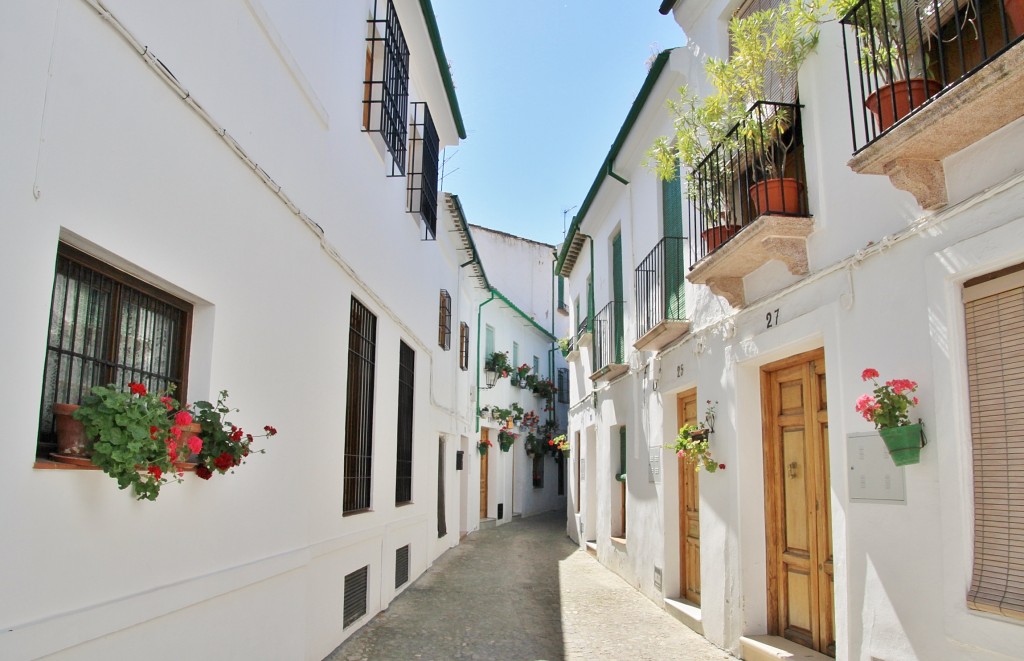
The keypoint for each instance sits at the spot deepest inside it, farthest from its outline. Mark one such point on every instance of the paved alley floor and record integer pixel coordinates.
(522, 592)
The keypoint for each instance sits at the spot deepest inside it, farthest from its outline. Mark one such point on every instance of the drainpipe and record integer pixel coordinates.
(590, 299)
(479, 316)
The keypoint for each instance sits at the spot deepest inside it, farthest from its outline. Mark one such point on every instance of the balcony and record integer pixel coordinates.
(748, 202)
(609, 345)
(660, 302)
(584, 336)
(927, 79)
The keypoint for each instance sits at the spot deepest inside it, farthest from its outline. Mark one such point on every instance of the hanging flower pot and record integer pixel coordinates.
(904, 443)
(71, 438)
(905, 94)
(777, 196)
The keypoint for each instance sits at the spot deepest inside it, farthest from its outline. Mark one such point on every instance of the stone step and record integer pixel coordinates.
(686, 612)
(773, 648)
(488, 523)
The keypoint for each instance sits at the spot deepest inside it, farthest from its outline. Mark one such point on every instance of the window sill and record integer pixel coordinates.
(619, 541)
(50, 464)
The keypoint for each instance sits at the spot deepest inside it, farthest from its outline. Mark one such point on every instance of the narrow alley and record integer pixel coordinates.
(523, 591)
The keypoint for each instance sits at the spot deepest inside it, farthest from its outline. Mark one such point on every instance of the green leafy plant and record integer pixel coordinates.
(137, 436)
(224, 444)
(498, 362)
(545, 388)
(506, 438)
(483, 444)
(883, 39)
(559, 444)
(565, 345)
(693, 444)
(517, 413)
(889, 404)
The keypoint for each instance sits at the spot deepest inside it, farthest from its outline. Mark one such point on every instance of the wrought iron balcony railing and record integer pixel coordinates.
(609, 346)
(901, 53)
(660, 281)
(757, 169)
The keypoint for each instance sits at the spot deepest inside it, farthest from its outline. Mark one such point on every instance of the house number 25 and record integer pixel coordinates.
(679, 371)
(772, 318)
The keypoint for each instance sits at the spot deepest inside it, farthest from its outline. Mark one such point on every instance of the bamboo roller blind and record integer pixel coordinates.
(995, 361)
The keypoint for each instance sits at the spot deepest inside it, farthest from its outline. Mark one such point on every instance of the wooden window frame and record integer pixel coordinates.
(106, 356)
(463, 346)
(444, 320)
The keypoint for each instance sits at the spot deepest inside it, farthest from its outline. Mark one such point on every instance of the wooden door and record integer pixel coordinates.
(484, 435)
(689, 505)
(797, 502)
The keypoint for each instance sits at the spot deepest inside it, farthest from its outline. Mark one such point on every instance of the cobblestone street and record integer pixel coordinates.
(522, 592)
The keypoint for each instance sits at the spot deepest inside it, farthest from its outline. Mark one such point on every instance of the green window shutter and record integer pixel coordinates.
(515, 354)
(618, 293)
(561, 293)
(672, 206)
(621, 475)
(488, 342)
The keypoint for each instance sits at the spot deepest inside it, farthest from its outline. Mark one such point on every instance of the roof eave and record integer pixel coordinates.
(442, 65)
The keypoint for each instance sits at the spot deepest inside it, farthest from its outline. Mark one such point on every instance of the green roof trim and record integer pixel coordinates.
(442, 65)
(606, 169)
(506, 301)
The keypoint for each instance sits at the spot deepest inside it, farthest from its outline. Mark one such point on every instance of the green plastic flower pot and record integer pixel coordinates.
(904, 443)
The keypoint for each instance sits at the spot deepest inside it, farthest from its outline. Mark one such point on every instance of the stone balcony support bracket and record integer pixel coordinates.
(782, 238)
(911, 153)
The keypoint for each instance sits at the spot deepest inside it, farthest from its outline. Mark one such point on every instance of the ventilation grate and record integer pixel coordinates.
(401, 566)
(355, 595)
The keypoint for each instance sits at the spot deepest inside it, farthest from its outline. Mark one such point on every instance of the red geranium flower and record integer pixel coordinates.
(224, 461)
(204, 472)
(869, 373)
(155, 471)
(270, 430)
(137, 389)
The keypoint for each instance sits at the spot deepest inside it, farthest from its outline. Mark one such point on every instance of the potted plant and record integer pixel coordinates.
(532, 445)
(483, 444)
(503, 416)
(225, 445)
(520, 374)
(505, 439)
(498, 362)
(565, 346)
(884, 57)
(518, 413)
(887, 406)
(137, 436)
(545, 389)
(694, 445)
(559, 445)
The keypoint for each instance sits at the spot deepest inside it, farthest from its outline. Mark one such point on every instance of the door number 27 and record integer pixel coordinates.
(772, 318)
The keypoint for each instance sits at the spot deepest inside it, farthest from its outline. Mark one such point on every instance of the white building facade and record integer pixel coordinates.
(246, 180)
(808, 538)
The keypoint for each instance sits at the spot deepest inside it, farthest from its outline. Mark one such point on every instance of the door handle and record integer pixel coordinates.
(792, 469)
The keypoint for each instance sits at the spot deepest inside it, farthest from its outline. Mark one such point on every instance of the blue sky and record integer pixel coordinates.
(544, 85)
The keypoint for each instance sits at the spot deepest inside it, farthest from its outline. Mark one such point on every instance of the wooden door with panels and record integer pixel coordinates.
(484, 436)
(689, 506)
(798, 522)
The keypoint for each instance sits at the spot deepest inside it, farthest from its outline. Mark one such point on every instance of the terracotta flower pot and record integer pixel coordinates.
(880, 102)
(777, 196)
(716, 236)
(71, 440)
(1015, 16)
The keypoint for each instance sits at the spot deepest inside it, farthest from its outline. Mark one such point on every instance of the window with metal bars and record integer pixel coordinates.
(442, 522)
(401, 566)
(463, 346)
(444, 321)
(355, 596)
(108, 327)
(994, 322)
(563, 385)
(424, 148)
(538, 471)
(406, 378)
(362, 348)
(386, 84)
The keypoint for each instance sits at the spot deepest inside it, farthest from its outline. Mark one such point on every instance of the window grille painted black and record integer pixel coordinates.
(660, 285)
(563, 385)
(108, 327)
(424, 149)
(442, 522)
(444, 321)
(401, 566)
(900, 54)
(362, 352)
(538, 470)
(756, 170)
(463, 346)
(386, 87)
(406, 378)
(355, 596)
(605, 346)
(560, 465)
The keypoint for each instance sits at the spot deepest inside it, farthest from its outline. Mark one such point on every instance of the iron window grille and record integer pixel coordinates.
(563, 385)
(401, 566)
(660, 285)
(406, 379)
(424, 148)
(386, 84)
(734, 184)
(463, 346)
(444, 321)
(107, 327)
(355, 596)
(538, 471)
(362, 343)
(902, 53)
